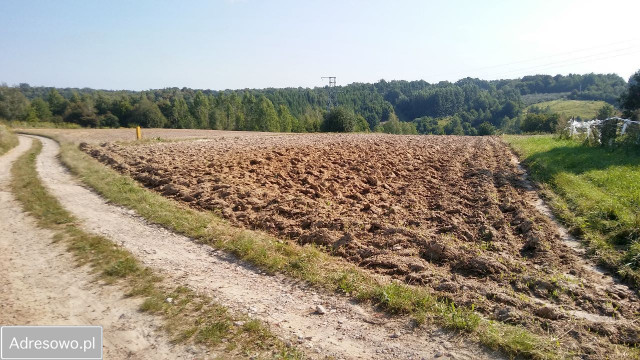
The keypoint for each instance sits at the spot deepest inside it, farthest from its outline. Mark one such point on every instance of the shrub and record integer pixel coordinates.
(110, 120)
(486, 129)
(340, 119)
(546, 123)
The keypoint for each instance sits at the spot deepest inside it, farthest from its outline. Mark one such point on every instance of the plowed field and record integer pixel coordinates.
(450, 213)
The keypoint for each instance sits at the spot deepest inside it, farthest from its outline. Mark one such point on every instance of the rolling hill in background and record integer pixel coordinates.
(584, 109)
(467, 107)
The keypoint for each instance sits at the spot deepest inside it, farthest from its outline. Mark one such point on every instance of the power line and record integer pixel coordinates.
(559, 54)
(632, 41)
(602, 58)
(572, 61)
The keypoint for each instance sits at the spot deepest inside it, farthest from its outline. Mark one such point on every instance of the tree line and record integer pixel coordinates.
(466, 107)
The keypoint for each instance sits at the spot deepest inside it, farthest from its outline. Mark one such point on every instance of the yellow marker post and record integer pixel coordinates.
(138, 133)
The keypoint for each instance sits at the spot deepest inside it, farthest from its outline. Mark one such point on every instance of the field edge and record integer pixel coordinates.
(594, 242)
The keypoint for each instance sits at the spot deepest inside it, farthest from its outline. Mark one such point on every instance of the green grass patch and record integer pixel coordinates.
(306, 263)
(7, 139)
(595, 192)
(586, 109)
(188, 317)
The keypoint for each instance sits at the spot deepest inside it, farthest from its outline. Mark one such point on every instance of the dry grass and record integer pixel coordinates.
(7, 139)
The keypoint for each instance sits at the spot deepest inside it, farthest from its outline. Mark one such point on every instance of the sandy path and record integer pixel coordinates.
(347, 330)
(41, 286)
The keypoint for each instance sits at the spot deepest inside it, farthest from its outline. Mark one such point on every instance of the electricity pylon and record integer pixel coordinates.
(332, 99)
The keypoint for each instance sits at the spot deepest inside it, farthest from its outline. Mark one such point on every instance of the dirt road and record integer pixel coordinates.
(345, 331)
(41, 286)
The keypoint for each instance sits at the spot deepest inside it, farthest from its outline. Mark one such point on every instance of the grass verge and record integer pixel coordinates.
(595, 192)
(7, 139)
(189, 317)
(307, 263)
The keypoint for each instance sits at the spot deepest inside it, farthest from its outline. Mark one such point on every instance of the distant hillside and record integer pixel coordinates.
(584, 109)
(471, 106)
(531, 99)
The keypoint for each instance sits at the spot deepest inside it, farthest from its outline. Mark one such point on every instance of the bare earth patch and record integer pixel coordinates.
(453, 214)
(345, 331)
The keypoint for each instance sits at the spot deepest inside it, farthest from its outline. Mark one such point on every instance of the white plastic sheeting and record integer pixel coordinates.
(580, 127)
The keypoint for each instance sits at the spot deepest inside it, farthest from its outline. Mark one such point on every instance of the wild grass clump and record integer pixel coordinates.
(8, 139)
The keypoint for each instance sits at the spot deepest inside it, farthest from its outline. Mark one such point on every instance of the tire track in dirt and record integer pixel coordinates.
(345, 331)
(41, 286)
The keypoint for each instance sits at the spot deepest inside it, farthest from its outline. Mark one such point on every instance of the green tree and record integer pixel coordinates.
(13, 104)
(361, 124)
(181, 117)
(109, 120)
(32, 115)
(395, 126)
(286, 119)
(227, 118)
(486, 129)
(311, 120)
(41, 108)
(147, 114)
(249, 119)
(75, 97)
(510, 109)
(540, 123)
(240, 121)
(263, 116)
(201, 109)
(57, 103)
(102, 103)
(454, 127)
(82, 113)
(428, 125)
(122, 108)
(340, 119)
(216, 118)
(630, 99)
(165, 106)
(605, 112)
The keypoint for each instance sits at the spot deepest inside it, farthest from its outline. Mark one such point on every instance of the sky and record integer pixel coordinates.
(237, 44)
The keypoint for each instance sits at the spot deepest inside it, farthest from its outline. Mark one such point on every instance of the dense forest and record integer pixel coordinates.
(468, 106)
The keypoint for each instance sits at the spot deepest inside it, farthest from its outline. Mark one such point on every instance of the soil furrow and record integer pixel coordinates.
(345, 331)
(453, 214)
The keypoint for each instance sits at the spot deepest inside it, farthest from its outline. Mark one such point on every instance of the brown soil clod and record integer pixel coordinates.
(451, 213)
